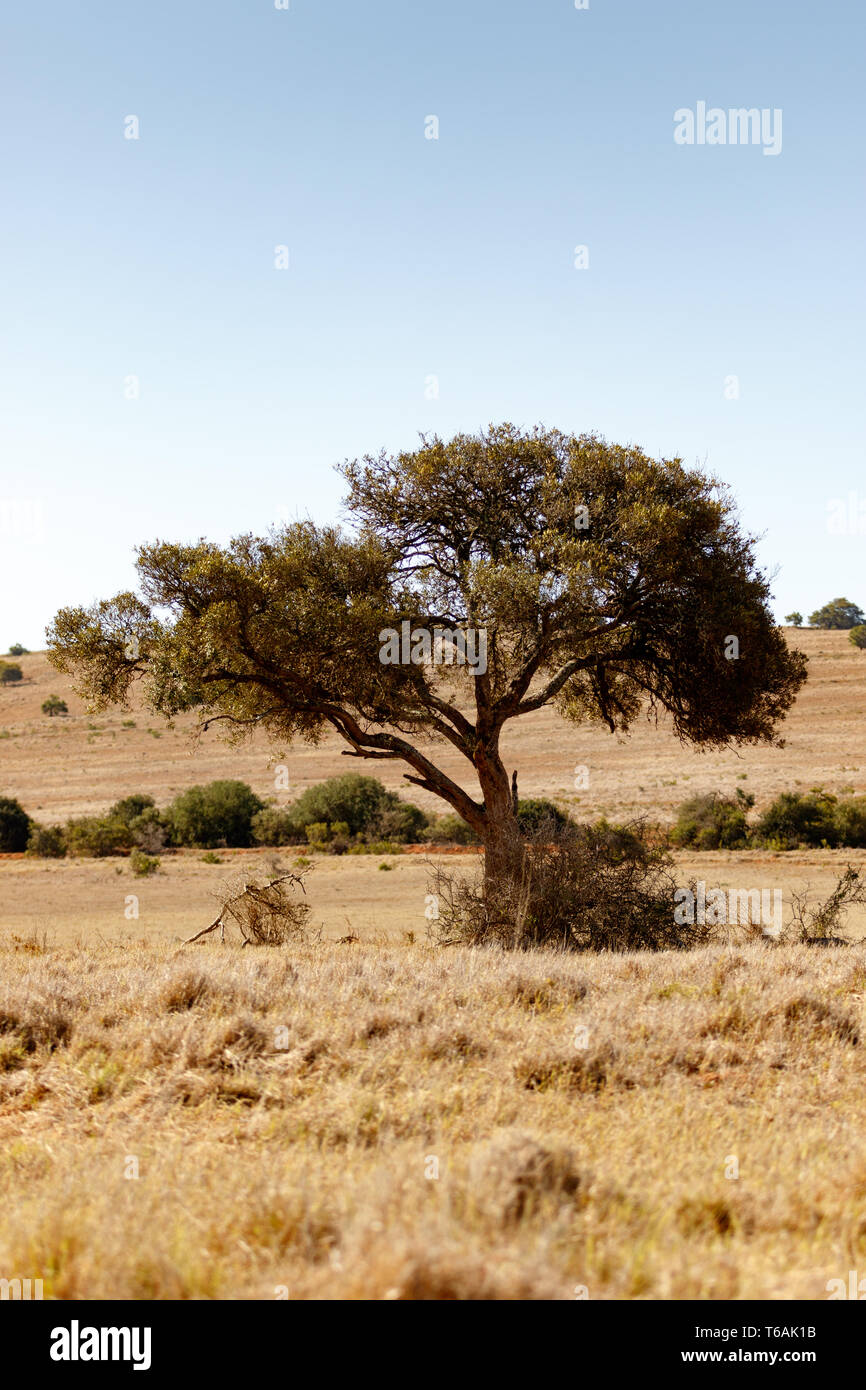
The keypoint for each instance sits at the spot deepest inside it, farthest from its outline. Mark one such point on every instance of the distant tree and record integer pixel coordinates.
(219, 813)
(14, 826)
(839, 613)
(17, 650)
(603, 581)
(795, 619)
(9, 673)
(54, 706)
(857, 635)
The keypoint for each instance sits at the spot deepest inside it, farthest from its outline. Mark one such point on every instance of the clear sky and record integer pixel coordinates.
(413, 258)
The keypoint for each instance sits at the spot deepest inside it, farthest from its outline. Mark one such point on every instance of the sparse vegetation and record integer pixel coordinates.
(54, 706)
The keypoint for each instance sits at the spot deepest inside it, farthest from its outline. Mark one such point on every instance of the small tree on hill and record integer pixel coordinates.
(795, 619)
(17, 650)
(857, 636)
(10, 674)
(839, 613)
(602, 581)
(54, 706)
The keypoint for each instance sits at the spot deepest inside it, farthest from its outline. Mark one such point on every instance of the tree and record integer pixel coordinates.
(54, 706)
(17, 650)
(857, 636)
(219, 813)
(14, 826)
(487, 577)
(9, 673)
(795, 619)
(839, 613)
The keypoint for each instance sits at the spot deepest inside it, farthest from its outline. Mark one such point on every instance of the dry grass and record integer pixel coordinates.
(286, 1109)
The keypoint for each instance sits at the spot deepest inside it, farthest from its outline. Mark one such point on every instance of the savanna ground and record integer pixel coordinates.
(286, 1110)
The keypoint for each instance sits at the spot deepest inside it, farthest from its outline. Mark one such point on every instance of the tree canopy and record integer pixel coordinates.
(605, 582)
(838, 613)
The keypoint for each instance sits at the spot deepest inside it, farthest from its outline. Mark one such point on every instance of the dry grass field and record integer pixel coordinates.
(381, 1119)
(390, 1122)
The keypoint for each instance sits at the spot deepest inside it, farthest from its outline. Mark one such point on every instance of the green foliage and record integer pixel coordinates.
(10, 674)
(17, 650)
(130, 807)
(451, 830)
(54, 706)
(796, 819)
(795, 619)
(538, 812)
(14, 826)
(141, 864)
(357, 800)
(857, 636)
(220, 813)
(46, 841)
(713, 821)
(275, 827)
(850, 819)
(400, 821)
(96, 837)
(317, 832)
(839, 613)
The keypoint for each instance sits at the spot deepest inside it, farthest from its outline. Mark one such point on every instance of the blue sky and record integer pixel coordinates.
(412, 258)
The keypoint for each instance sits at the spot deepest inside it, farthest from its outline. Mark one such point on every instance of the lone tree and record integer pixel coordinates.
(54, 706)
(838, 613)
(795, 619)
(857, 636)
(592, 577)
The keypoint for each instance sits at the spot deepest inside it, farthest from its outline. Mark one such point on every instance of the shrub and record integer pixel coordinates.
(17, 650)
(220, 813)
(713, 821)
(857, 636)
(538, 812)
(850, 819)
(839, 613)
(54, 706)
(95, 837)
(142, 864)
(401, 821)
(317, 833)
(797, 819)
(357, 800)
(572, 891)
(46, 841)
(150, 831)
(451, 829)
(14, 826)
(9, 673)
(129, 807)
(275, 827)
